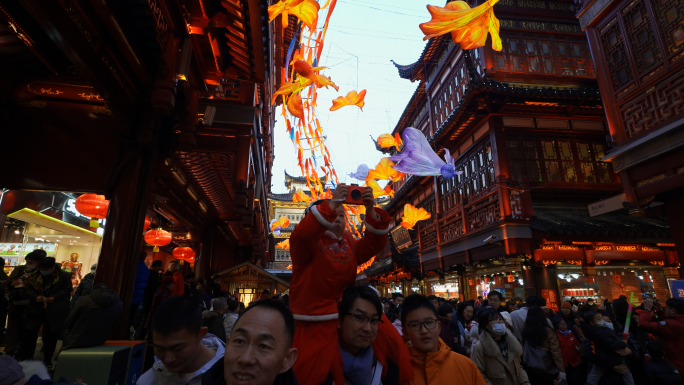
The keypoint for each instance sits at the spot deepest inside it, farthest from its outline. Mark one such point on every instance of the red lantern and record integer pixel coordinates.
(471, 282)
(590, 280)
(93, 206)
(617, 278)
(183, 253)
(478, 281)
(497, 280)
(511, 278)
(147, 224)
(157, 237)
(486, 281)
(191, 259)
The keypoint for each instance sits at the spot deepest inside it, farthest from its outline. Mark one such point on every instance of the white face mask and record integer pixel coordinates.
(601, 324)
(609, 325)
(499, 329)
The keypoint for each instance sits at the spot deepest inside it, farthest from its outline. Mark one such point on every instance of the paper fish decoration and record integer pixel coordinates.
(307, 71)
(468, 27)
(281, 222)
(352, 99)
(418, 158)
(361, 172)
(364, 266)
(389, 141)
(385, 170)
(284, 244)
(305, 10)
(300, 196)
(377, 191)
(412, 215)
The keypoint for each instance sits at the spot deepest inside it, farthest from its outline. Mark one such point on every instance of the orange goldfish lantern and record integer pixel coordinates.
(387, 141)
(305, 10)
(289, 267)
(284, 244)
(385, 171)
(412, 215)
(352, 99)
(364, 266)
(468, 27)
(295, 106)
(377, 191)
(300, 196)
(281, 222)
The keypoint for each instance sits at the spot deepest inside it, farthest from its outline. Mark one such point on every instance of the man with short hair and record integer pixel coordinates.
(18, 299)
(260, 350)
(48, 289)
(213, 319)
(363, 362)
(397, 298)
(433, 301)
(183, 352)
(433, 361)
(178, 283)
(669, 331)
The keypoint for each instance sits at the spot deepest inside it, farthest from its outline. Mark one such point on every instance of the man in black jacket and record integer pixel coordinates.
(91, 320)
(213, 319)
(48, 289)
(18, 299)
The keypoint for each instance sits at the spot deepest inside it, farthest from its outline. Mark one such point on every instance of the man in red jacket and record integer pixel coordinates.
(178, 283)
(669, 330)
(324, 261)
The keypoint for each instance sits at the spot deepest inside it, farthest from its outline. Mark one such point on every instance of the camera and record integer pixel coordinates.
(354, 195)
(490, 239)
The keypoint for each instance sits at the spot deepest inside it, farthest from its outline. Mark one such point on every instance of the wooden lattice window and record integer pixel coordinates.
(642, 41)
(670, 20)
(477, 177)
(557, 159)
(615, 54)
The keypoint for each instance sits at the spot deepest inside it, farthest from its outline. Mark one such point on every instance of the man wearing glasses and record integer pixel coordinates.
(360, 316)
(433, 361)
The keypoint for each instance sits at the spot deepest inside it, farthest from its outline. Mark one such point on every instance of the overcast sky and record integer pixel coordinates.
(361, 40)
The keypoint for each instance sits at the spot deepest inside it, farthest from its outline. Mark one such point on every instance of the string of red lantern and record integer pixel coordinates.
(93, 206)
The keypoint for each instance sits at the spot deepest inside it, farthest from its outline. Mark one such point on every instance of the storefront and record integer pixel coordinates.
(496, 275)
(60, 234)
(248, 281)
(608, 271)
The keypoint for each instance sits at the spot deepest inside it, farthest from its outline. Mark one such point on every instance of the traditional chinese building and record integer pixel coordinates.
(162, 107)
(527, 129)
(638, 48)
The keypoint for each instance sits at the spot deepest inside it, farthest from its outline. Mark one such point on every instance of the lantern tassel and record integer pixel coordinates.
(94, 224)
(155, 249)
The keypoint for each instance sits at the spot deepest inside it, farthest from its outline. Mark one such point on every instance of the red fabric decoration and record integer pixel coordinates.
(590, 280)
(647, 278)
(147, 224)
(157, 237)
(617, 278)
(93, 206)
(511, 278)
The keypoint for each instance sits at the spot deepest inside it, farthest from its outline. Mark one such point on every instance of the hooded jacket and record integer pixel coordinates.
(670, 333)
(604, 343)
(496, 371)
(92, 318)
(443, 367)
(159, 375)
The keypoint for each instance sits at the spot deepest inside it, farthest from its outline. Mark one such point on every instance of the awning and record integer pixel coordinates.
(58, 227)
(564, 220)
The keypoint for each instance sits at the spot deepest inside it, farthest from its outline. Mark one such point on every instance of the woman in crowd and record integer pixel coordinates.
(460, 324)
(445, 313)
(542, 355)
(499, 353)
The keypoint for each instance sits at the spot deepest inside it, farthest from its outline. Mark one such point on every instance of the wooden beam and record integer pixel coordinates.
(255, 29)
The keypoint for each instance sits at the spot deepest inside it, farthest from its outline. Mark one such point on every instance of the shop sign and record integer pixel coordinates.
(607, 205)
(401, 237)
(676, 288)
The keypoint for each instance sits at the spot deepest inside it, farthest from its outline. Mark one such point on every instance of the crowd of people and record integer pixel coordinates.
(332, 331)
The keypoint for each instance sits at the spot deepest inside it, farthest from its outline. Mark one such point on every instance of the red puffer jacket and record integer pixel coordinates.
(569, 344)
(670, 333)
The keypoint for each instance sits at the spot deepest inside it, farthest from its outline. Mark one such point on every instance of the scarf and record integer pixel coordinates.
(503, 347)
(565, 333)
(359, 369)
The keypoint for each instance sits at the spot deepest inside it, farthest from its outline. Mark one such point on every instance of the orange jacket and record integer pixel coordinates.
(178, 283)
(444, 367)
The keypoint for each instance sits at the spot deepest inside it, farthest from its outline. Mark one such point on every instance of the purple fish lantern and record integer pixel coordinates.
(361, 172)
(418, 158)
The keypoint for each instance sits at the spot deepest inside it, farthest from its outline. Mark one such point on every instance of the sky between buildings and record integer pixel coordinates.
(362, 38)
